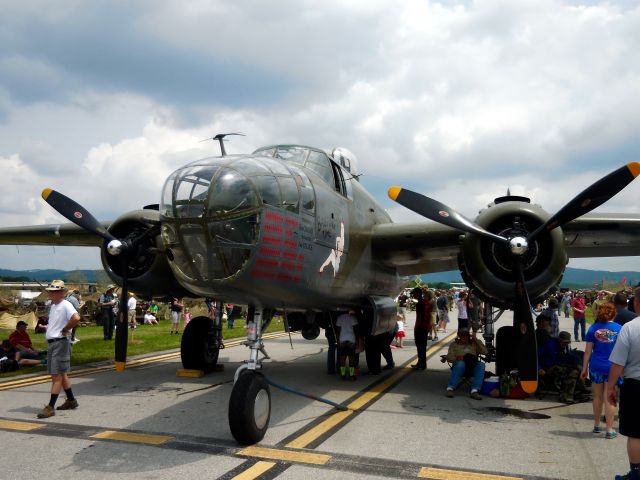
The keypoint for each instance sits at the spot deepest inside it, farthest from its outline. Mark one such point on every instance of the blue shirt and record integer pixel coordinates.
(603, 336)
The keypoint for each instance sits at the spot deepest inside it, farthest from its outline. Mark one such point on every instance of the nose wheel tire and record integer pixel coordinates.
(199, 348)
(250, 408)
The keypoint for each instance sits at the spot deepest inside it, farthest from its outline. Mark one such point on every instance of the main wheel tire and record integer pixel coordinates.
(250, 408)
(197, 348)
(310, 332)
(505, 350)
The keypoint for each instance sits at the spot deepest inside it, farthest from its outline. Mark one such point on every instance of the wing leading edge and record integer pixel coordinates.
(66, 234)
(428, 247)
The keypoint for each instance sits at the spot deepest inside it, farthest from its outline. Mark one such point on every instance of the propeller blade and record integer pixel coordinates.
(525, 335)
(75, 213)
(439, 212)
(122, 321)
(591, 198)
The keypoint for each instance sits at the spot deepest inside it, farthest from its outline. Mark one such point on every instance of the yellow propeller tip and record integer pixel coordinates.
(46, 192)
(529, 386)
(634, 168)
(394, 192)
(120, 366)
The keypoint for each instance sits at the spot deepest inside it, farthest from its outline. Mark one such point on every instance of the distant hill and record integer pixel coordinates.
(51, 274)
(573, 277)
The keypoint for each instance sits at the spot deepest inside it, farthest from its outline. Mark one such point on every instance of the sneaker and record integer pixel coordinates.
(475, 396)
(388, 366)
(435, 338)
(449, 393)
(611, 434)
(418, 367)
(596, 430)
(566, 400)
(74, 341)
(69, 404)
(47, 411)
(628, 476)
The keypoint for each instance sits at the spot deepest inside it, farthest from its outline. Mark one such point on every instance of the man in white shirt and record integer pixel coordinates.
(131, 309)
(625, 361)
(347, 326)
(62, 318)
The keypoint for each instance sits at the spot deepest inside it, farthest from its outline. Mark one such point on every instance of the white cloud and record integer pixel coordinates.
(540, 96)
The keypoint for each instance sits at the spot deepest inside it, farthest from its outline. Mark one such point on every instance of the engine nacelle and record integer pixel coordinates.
(488, 265)
(149, 274)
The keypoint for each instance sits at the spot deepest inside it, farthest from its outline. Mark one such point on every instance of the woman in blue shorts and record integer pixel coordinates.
(601, 338)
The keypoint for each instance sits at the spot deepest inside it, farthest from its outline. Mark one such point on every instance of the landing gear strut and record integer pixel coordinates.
(250, 402)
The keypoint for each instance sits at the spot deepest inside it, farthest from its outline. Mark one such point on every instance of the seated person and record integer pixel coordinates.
(11, 353)
(556, 360)
(21, 341)
(463, 356)
(149, 319)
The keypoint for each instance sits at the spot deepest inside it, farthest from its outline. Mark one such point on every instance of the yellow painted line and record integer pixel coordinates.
(255, 471)
(28, 382)
(22, 426)
(442, 474)
(132, 437)
(285, 455)
(335, 419)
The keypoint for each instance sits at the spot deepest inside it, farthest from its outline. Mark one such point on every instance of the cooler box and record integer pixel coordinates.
(490, 384)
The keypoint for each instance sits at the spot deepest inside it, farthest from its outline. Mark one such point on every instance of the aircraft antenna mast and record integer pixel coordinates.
(220, 138)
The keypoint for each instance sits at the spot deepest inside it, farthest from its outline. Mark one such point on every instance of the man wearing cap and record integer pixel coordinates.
(107, 301)
(21, 341)
(625, 361)
(463, 355)
(62, 318)
(555, 361)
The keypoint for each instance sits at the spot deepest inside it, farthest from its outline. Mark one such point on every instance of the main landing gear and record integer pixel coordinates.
(202, 341)
(250, 402)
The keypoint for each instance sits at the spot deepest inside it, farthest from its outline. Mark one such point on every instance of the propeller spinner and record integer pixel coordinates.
(590, 198)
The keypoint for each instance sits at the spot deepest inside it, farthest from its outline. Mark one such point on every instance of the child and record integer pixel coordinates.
(186, 316)
(399, 331)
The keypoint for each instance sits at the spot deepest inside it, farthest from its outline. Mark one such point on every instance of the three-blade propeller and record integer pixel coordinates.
(77, 214)
(587, 200)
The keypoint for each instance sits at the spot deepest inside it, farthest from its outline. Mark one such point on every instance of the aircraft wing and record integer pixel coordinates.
(415, 248)
(426, 247)
(66, 234)
(603, 235)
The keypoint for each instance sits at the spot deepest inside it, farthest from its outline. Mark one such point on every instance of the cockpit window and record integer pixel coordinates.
(275, 166)
(319, 163)
(268, 188)
(306, 190)
(292, 154)
(289, 191)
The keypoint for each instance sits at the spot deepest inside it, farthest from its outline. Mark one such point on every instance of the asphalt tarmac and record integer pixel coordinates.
(148, 423)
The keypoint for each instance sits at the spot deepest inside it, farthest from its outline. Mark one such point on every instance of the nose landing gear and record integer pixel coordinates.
(250, 402)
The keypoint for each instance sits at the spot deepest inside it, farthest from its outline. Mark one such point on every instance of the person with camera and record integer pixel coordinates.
(463, 356)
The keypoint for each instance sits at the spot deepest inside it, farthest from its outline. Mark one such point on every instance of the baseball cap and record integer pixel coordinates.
(55, 285)
(564, 336)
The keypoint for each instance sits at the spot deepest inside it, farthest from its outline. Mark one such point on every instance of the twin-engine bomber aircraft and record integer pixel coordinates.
(289, 228)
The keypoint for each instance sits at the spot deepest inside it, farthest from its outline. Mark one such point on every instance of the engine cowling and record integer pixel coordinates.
(148, 274)
(487, 265)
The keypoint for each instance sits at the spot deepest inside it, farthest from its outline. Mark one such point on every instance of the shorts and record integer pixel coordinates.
(347, 348)
(598, 377)
(443, 315)
(629, 414)
(59, 357)
(400, 334)
(175, 318)
(402, 310)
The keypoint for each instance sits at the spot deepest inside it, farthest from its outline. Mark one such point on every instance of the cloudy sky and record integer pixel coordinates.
(101, 100)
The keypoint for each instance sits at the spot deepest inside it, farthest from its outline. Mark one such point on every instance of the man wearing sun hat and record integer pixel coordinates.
(62, 318)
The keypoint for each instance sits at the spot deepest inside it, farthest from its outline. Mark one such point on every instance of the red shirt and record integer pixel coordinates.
(578, 303)
(423, 314)
(18, 338)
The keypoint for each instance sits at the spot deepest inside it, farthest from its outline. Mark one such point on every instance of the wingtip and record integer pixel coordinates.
(46, 192)
(634, 168)
(394, 192)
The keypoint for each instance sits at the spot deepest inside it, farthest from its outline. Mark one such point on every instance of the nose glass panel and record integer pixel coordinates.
(210, 225)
